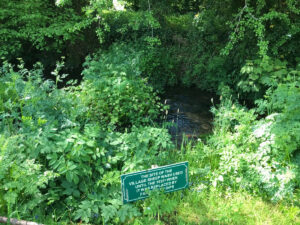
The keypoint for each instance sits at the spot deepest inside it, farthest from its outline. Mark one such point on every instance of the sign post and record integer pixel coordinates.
(170, 178)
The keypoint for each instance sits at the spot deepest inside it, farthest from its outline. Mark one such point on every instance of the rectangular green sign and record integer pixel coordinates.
(170, 178)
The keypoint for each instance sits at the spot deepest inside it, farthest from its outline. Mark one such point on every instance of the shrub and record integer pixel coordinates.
(58, 156)
(114, 91)
(251, 153)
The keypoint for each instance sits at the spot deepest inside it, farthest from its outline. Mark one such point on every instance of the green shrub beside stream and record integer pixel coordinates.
(63, 150)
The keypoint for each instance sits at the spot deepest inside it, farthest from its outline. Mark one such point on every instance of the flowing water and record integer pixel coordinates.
(189, 112)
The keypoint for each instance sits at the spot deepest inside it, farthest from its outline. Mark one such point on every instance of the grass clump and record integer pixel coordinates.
(233, 208)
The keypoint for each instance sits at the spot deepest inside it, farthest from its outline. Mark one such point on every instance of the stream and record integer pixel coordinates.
(189, 112)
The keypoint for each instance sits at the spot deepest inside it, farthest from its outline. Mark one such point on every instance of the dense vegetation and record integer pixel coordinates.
(80, 87)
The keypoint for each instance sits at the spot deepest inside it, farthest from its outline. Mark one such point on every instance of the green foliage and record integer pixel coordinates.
(272, 25)
(284, 107)
(204, 67)
(212, 46)
(57, 157)
(22, 179)
(128, 25)
(250, 154)
(38, 24)
(261, 76)
(62, 150)
(158, 65)
(114, 93)
(159, 204)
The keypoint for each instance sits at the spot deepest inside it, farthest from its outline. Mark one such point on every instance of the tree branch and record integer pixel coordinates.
(17, 222)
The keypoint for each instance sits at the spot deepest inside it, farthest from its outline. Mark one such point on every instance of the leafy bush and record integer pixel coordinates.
(128, 26)
(39, 25)
(23, 180)
(114, 92)
(251, 154)
(159, 66)
(57, 156)
(264, 75)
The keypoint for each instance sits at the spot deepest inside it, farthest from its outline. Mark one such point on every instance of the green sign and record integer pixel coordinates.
(170, 178)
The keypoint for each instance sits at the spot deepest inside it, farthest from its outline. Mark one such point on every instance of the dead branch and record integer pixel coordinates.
(17, 222)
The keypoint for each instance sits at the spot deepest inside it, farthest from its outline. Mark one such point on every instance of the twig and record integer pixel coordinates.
(149, 8)
(240, 17)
